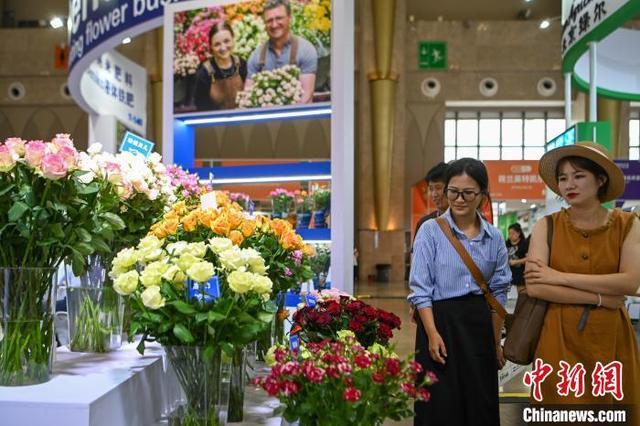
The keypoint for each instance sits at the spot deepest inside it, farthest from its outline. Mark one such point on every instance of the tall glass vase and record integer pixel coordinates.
(95, 311)
(205, 383)
(27, 298)
(238, 383)
(278, 337)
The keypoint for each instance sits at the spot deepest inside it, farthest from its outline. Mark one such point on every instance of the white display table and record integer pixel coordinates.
(121, 388)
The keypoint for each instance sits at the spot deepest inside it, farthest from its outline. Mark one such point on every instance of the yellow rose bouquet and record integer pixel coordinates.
(210, 293)
(198, 299)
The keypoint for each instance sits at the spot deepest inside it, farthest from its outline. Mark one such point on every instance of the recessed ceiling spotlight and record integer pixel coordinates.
(126, 40)
(524, 201)
(544, 24)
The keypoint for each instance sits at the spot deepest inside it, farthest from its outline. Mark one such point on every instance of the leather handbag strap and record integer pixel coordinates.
(473, 268)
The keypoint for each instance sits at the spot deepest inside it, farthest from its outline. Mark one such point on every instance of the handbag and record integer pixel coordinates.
(524, 331)
(472, 267)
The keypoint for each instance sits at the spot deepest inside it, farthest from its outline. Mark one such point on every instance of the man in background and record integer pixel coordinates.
(283, 48)
(435, 180)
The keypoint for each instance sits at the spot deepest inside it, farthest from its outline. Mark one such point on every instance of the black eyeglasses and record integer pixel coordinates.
(467, 195)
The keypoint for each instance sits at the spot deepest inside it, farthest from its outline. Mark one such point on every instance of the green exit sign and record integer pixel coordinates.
(432, 55)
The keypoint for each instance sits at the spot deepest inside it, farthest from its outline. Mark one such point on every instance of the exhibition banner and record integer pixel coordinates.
(93, 22)
(228, 55)
(515, 180)
(115, 85)
(631, 170)
(584, 16)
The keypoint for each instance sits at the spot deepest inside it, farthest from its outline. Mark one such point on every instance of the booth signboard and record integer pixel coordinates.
(585, 16)
(114, 85)
(136, 145)
(631, 170)
(515, 180)
(592, 131)
(223, 59)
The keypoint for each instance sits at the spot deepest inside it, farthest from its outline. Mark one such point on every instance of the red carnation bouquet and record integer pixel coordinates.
(342, 383)
(329, 316)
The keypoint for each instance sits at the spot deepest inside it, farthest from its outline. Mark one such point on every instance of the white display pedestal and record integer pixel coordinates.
(121, 388)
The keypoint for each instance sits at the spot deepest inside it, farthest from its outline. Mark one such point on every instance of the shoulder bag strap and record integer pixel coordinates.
(472, 267)
(549, 220)
(293, 54)
(263, 55)
(210, 71)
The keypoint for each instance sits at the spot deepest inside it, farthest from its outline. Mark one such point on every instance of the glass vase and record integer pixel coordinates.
(95, 312)
(205, 383)
(26, 334)
(278, 335)
(95, 319)
(237, 385)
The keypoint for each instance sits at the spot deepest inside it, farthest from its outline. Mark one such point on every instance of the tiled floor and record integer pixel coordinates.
(392, 297)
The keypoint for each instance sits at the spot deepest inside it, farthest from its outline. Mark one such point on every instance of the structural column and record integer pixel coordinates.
(383, 85)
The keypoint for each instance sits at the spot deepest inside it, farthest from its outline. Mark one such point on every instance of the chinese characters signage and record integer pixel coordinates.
(583, 17)
(114, 85)
(515, 180)
(136, 145)
(604, 379)
(631, 170)
(432, 55)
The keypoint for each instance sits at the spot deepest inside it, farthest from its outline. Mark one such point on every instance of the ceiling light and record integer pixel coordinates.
(524, 201)
(265, 179)
(533, 206)
(318, 113)
(56, 22)
(126, 40)
(544, 24)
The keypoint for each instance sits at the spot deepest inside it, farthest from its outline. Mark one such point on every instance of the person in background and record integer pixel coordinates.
(220, 78)
(517, 247)
(435, 181)
(356, 254)
(284, 48)
(593, 265)
(456, 336)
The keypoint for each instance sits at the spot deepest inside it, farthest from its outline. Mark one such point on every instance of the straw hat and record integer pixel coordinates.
(592, 151)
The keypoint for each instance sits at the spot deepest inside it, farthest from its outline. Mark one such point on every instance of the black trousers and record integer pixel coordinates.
(467, 390)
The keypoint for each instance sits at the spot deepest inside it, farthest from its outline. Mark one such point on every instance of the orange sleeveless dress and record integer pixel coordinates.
(608, 335)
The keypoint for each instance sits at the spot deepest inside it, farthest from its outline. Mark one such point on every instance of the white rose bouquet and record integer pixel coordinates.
(277, 87)
(249, 33)
(211, 294)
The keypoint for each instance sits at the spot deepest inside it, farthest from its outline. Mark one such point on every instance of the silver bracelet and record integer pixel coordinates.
(599, 300)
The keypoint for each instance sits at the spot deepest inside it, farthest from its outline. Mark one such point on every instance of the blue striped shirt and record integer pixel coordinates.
(438, 273)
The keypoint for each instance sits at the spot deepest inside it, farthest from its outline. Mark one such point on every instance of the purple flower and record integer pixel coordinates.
(287, 271)
(297, 257)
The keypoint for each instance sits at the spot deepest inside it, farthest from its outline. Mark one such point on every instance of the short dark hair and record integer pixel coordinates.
(516, 227)
(437, 173)
(272, 4)
(473, 168)
(590, 166)
(220, 26)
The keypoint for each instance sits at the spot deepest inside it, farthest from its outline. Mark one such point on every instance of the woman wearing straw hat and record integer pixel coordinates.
(595, 255)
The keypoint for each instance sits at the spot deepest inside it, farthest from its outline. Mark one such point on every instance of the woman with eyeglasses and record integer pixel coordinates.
(458, 335)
